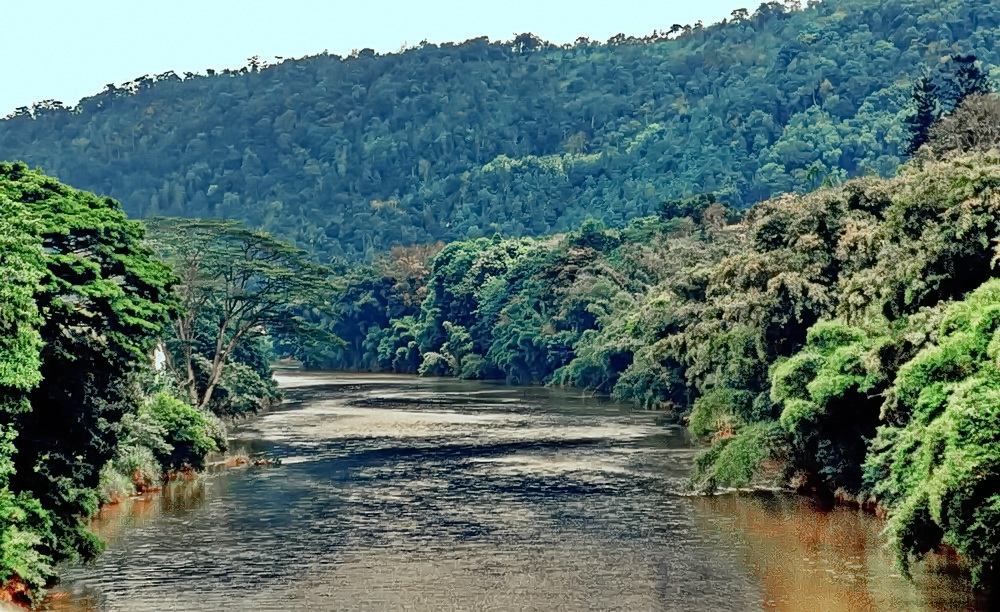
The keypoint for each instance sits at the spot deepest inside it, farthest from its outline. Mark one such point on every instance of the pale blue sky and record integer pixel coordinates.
(69, 49)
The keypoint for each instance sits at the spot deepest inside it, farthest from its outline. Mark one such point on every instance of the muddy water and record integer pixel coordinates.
(402, 494)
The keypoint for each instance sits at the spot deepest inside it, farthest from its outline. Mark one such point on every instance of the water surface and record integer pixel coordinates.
(396, 493)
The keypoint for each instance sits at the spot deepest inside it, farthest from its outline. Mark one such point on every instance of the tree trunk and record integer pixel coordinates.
(213, 382)
(219, 361)
(183, 329)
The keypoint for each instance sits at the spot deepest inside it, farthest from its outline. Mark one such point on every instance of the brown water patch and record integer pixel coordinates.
(808, 557)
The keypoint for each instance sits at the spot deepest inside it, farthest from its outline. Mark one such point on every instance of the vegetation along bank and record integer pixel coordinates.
(602, 215)
(84, 299)
(848, 336)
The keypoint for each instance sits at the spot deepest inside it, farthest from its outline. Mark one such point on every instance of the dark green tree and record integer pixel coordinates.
(967, 78)
(926, 110)
(98, 303)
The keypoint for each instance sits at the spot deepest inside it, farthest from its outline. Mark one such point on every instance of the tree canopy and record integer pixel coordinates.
(82, 303)
(845, 336)
(238, 285)
(713, 222)
(347, 157)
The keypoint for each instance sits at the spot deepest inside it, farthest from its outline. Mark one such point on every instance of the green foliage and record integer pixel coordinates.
(21, 269)
(718, 412)
(936, 98)
(435, 364)
(164, 434)
(240, 390)
(925, 112)
(811, 336)
(829, 399)
(350, 156)
(133, 469)
(880, 256)
(939, 469)
(456, 352)
(190, 434)
(789, 338)
(368, 308)
(81, 304)
(686, 207)
(25, 526)
(398, 349)
(967, 79)
(236, 286)
(737, 461)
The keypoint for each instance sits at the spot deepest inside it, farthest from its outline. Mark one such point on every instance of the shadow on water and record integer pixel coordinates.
(403, 493)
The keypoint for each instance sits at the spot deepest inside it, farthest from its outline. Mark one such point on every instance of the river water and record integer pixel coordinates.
(397, 493)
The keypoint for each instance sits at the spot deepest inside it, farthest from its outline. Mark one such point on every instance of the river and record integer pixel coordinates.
(397, 493)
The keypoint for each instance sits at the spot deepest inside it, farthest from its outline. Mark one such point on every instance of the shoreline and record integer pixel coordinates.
(14, 593)
(822, 503)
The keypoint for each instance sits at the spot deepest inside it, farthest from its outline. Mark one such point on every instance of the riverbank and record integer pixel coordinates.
(791, 331)
(15, 595)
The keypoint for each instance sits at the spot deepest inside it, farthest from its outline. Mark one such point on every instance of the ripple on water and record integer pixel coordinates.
(399, 493)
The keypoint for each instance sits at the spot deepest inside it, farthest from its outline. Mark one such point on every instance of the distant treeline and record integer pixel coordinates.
(348, 157)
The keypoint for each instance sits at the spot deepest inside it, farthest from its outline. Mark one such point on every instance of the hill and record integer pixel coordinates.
(351, 156)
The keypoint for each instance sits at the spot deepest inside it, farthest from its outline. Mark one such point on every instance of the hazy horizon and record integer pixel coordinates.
(86, 48)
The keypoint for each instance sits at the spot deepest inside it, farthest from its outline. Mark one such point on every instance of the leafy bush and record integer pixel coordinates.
(738, 460)
(241, 389)
(189, 433)
(939, 471)
(77, 319)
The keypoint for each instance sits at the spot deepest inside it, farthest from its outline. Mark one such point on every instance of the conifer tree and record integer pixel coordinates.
(925, 112)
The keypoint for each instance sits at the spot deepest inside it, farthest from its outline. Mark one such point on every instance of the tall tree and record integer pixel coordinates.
(973, 126)
(926, 110)
(253, 283)
(81, 304)
(21, 270)
(967, 79)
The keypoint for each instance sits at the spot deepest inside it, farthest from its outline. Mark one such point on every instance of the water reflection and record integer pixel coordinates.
(808, 557)
(397, 493)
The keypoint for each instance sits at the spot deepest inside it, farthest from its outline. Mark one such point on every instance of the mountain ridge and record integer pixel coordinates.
(351, 156)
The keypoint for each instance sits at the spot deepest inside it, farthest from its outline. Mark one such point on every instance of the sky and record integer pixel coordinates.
(70, 49)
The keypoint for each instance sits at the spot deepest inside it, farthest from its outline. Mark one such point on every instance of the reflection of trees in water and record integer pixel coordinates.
(810, 558)
(183, 497)
(178, 497)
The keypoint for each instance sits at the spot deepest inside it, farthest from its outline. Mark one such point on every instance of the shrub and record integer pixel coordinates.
(190, 433)
(939, 471)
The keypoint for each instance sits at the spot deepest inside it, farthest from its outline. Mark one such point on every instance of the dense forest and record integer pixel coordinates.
(848, 336)
(348, 157)
(86, 296)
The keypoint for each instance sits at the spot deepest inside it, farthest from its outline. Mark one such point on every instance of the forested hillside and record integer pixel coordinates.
(844, 341)
(350, 156)
(713, 222)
